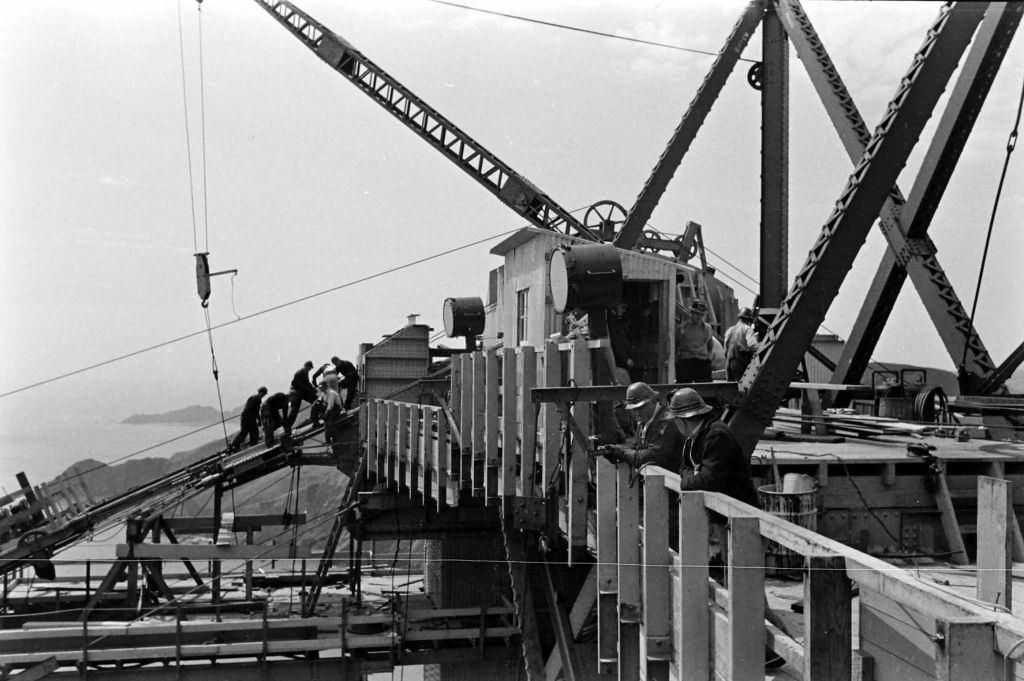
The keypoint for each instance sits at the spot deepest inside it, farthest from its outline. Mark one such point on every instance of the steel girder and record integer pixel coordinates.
(774, 274)
(846, 229)
(905, 223)
(511, 188)
(686, 131)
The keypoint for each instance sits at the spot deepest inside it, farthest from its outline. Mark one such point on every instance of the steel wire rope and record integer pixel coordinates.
(188, 140)
(1011, 144)
(588, 31)
(264, 311)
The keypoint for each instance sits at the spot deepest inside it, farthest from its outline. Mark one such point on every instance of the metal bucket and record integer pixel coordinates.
(799, 508)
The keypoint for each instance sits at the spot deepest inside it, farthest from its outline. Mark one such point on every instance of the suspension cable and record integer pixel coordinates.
(1011, 143)
(188, 139)
(202, 125)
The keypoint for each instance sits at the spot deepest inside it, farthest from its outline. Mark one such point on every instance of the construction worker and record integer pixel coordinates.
(250, 421)
(695, 343)
(740, 345)
(348, 374)
(274, 413)
(621, 340)
(657, 439)
(332, 405)
(301, 389)
(711, 457)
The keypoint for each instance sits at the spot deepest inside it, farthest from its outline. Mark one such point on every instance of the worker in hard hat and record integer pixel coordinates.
(301, 390)
(250, 421)
(740, 345)
(712, 459)
(657, 439)
(274, 414)
(695, 343)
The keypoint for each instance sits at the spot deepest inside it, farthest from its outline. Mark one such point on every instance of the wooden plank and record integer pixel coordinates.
(527, 374)
(441, 450)
(629, 573)
(380, 452)
(371, 434)
(691, 621)
(428, 457)
(509, 423)
(241, 523)
(607, 569)
(828, 620)
(578, 461)
(402, 458)
(492, 461)
(745, 577)
(461, 469)
(412, 480)
(656, 580)
(394, 424)
(995, 583)
(551, 439)
(478, 444)
(950, 527)
(897, 636)
(965, 651)
(998, 470)
(213, 551)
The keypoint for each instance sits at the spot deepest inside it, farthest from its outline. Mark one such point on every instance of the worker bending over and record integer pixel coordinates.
(301, 390)
(657, 439)
(348, 375)
(274, 412)
(250, 421)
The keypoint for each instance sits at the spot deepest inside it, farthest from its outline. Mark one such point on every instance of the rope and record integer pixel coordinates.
(1011, 143)
(216, 376)
(202, 125)
(188, 139)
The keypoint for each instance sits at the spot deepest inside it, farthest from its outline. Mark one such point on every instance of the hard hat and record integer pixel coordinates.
(639, 394)
(262, 390)
(746, 313)
(687, 403)
(698, 307)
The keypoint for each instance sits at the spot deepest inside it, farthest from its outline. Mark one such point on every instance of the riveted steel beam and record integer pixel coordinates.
(774, 272)
(843, 234)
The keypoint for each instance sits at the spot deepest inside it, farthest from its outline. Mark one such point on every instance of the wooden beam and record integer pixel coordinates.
(607, 569)
(428, 459)
(551, 442)
(372, 430)
(745, 579)
(721, 391)
(964, 650)
(241, 523)
(527, 422)
(692, 617)
(509, 422)
(996, 469)
(657, 580)
(412, 480)
(402, 450)
(442, 453)
(828, 651)
(492, 462)
(477, 473)
(210, 551)
(947, 514)
(576, 487)
(630, 602)
(995, 583)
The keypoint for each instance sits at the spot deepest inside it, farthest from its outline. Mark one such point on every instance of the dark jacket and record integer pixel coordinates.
(713, 461)
(657, 442)
(301, 385)
(278, 402)
(251, 410)
(619, 337)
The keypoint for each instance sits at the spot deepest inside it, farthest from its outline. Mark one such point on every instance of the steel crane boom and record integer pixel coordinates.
(514, 190)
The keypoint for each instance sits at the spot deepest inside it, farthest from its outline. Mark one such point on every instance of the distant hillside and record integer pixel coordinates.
(195, 415)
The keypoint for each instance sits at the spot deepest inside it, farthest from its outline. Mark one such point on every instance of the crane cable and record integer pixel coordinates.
(1011, 143)
(192, 193)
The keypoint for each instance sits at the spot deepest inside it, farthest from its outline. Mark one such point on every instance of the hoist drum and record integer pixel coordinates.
(463, 317)
(202, 276)
(585, 275)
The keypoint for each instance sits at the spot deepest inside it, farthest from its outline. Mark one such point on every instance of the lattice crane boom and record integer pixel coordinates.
(511, 188)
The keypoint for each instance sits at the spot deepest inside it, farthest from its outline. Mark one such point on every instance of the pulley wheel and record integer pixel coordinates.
(755, 76)
(604, 218)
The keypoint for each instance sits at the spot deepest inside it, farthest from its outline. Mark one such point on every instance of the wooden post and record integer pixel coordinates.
(578, 461)
(657, 581)
(444, 449)
(371, 435)
(691, 619)
(550, 424)
(478, 445)
(394, 425)
(415, 450)
(745, 575)
(248, 564)
(527, 373)
(828, 651)
(461, 465)
(995, 508)
(402, 472)
(997, 470)
(964, 650)
(607, 569)
(629, 573)
(380, 451)
(492, 463)
(948, 516)
(509, 425)
(428, 456)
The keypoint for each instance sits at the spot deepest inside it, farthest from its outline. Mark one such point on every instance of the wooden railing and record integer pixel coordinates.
(488, 439)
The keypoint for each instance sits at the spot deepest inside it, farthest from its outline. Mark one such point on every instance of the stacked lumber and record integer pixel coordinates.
(845, 422)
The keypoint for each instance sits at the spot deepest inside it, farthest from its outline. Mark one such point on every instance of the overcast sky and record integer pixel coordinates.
(311, 185)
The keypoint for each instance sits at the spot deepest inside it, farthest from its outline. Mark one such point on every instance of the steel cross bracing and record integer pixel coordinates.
(686, 131)
(904, 223)
(510, 187)
(831, 257)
